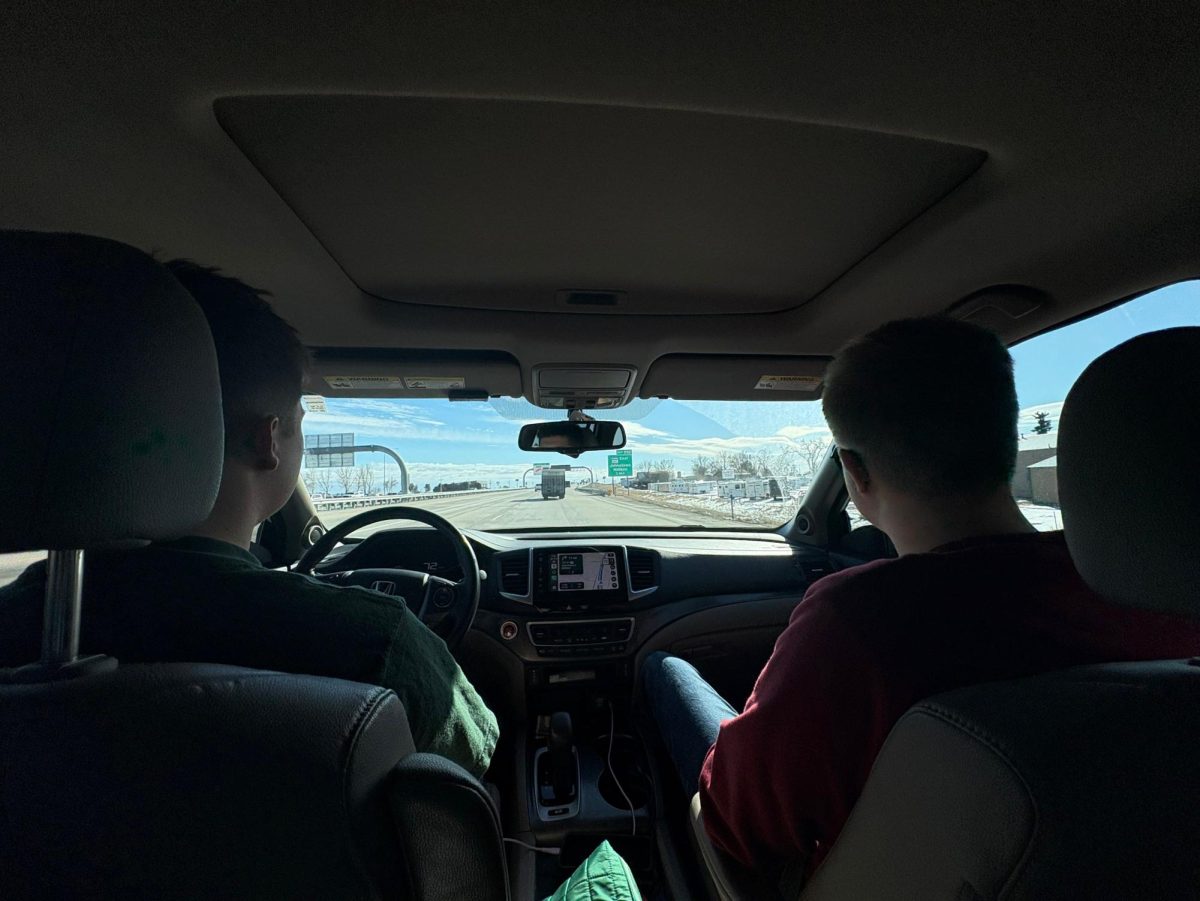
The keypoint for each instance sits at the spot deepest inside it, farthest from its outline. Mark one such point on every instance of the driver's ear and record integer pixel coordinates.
(858, 479)
(264, 443)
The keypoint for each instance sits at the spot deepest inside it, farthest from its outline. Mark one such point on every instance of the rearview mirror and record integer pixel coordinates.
(571, 438)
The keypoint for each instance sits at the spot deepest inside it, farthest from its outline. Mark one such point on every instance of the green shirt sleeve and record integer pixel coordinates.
(445, 713)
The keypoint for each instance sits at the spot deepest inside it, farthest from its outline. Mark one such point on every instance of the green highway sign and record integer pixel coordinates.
(620, 464)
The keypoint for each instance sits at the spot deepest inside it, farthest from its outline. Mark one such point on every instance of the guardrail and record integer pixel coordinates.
(386, 500)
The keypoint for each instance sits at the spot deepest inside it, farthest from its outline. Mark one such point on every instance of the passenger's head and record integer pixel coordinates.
(262, 366)
(927, 408)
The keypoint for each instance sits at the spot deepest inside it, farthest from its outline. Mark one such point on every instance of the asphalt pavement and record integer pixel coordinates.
(516, 509)
(525, 508)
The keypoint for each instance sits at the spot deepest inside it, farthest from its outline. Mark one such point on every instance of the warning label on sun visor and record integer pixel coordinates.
(435, 382)
(314, 403)
(364, 382)
(788, 383)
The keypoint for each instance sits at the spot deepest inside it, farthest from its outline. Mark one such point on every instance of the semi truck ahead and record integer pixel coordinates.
(554, 483)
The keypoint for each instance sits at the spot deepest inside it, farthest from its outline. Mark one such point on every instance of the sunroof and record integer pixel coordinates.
(518, 204)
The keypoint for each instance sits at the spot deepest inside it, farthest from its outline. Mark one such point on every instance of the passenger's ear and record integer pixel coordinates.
(265, 439)
(858, 479)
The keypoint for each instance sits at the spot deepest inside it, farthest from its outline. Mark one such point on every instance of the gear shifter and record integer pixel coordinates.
(561, 758)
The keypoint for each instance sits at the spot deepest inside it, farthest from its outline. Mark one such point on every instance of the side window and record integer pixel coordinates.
(1047, 366)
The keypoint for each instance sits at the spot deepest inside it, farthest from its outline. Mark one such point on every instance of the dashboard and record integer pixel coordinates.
(597, 595)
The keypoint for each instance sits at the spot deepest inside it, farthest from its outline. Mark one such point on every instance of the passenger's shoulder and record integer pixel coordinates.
(855, 580)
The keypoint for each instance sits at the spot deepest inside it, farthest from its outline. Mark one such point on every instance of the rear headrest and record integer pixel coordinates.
(1128, 448)
(112, 405)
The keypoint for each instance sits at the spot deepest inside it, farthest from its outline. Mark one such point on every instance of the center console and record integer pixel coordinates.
(582, 598)
(582, 578)
(573, 617)
(580, 637)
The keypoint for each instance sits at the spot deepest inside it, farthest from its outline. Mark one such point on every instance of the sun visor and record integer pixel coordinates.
(727, 377)
(342, 372)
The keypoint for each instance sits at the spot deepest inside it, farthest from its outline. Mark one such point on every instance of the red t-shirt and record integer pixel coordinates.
(867, 643)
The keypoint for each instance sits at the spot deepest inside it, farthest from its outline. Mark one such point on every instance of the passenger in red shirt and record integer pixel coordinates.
(923, 413)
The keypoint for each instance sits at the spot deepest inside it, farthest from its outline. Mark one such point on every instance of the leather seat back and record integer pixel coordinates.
(1075, 785)
(182, 780)
(1079, 784)
(199, 781)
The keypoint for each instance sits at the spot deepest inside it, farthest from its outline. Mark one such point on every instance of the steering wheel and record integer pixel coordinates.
(448, 608)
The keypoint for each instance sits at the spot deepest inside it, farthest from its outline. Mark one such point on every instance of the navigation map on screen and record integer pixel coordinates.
(590, 571)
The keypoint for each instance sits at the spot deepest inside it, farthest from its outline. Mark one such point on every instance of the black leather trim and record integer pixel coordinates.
(440, 810)
(196, 781)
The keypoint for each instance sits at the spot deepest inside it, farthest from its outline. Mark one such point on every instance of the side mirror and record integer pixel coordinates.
(571, 438)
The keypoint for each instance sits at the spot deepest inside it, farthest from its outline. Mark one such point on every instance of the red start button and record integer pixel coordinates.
(508, 630)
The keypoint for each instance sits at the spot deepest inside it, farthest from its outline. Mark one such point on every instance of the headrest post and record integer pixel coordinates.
(60, 622)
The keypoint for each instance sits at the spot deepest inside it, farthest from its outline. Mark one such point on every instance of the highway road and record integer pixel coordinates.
(515, 509)
(527, 509)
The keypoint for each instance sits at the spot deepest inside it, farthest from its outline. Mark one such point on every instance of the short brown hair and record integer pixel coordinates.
(262, 362)
(929, 404)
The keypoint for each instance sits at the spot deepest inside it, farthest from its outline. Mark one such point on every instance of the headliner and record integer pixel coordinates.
(944, 151)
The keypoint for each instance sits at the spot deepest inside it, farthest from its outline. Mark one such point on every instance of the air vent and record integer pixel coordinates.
(643, 569)
(514, 574)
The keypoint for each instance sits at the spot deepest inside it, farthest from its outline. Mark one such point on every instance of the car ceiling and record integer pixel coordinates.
(557, 183)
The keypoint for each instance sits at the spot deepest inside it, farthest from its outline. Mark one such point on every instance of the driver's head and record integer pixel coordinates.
(925, 408)
(263, 367)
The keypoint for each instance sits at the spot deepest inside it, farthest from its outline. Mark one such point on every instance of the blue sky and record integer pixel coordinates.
(441, 441)
(1048, 365)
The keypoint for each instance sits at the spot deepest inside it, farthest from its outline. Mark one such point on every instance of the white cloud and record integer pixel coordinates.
(801, 432)
(402, 428)
(637, 430)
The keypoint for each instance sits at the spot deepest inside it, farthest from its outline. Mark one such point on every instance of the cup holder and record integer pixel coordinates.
(627, 762)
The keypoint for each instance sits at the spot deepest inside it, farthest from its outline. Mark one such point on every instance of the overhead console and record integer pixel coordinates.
(566, 386)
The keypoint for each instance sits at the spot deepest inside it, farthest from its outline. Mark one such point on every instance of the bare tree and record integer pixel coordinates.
(365, 477)
(812, 451)
(388, 483)
(786, 462)
(763, 467)
(322, 479)
(743, 464)
(666, 464)
(346, 476)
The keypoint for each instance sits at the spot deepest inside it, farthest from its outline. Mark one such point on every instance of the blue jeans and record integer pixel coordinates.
(686, 710)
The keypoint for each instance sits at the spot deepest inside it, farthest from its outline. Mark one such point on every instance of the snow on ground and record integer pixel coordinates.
(746, 512)
(1042, 517)
(776, 512)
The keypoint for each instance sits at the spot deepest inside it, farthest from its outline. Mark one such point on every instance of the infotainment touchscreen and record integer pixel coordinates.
(583, 571)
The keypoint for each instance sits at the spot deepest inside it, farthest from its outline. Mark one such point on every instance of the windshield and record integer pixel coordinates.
(706, 464)
(699, 464)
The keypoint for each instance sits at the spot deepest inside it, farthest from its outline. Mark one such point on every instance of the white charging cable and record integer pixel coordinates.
(517, 841)
(612, 735)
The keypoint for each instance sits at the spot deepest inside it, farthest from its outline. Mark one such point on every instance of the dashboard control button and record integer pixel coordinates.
(508, 630)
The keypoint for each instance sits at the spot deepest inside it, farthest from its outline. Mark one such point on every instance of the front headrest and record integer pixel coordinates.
(1128, 447)
(112, 403)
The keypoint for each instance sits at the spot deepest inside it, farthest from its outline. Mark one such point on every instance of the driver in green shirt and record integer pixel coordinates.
(205, 598)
